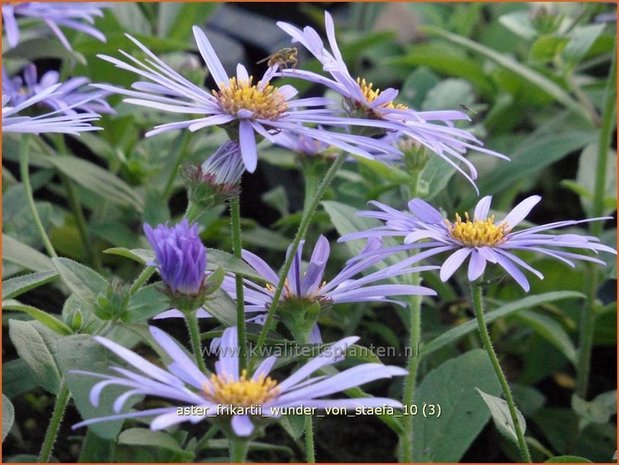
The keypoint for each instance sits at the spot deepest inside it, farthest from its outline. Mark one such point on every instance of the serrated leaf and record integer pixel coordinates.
(8, 416)
(452, 385)
(84, 282)
(501, 416)
(528, 302)
(45, 318)
(294, 425)
(33, 346)
(14, 287)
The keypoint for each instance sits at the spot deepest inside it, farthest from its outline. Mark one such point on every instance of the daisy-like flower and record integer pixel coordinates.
(309, 286)
(70, 96)
(77, 16)
(245, 107)
(228, 393)
(433, 129)
(181, 256)
(481, 239)
(222, 171)
(54, 122)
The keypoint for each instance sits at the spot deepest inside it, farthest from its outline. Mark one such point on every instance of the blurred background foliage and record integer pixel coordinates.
(532, 78)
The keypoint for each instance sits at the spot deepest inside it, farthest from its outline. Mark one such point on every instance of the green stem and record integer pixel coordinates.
(235, 222)
(412, 366)
(140, 280)
(62, 400)
(238, 449)
(478, 306)
(310, 453)
(24, 154)
(305, 222)
(194, 334)
(410, 381)
(587, 320)
(180, 156)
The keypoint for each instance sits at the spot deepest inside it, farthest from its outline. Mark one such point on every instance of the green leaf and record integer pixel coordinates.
(501, 416)
(519, 23)
(34, 345)
(527, 161)
(599, 410)
(34, 49)
(23, 255)
(8, 416)
(148, 438)
(142, 256)
(345, 219)
(146, 303)
(533, 77)
(386, 172)
(435, 176)
(82, 352)
(294, 425)
(218, 258)
(45, 318)
(84, 282)
(550, 330)
(443, 59)
(568, 459)
(582, 39)
(16, 378)
(188, 15)
(130, 16)
(528, 302)
(451, 386)
(449, 94)
(586, 178)
(21, 284)
(221, 306)
(99, 181)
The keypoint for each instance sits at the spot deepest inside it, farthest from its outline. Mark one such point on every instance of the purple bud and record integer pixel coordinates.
(181, 256)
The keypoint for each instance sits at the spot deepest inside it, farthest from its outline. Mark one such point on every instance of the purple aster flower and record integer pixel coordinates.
(309, 285)
(69, 97)
(482, 240)
(77, 16)
(246, 108)
(433, 129)
(228, 389)
(54, 122)
(223, 169)
(181, 256)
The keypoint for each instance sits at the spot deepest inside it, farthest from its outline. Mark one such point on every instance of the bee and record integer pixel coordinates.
(285, 58)
(468, 110)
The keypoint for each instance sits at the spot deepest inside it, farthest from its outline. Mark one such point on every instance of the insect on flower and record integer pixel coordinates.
(283, 58)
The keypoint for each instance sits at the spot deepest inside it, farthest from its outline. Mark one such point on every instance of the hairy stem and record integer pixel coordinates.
(235, 222)
(310, 453)
(478, 306)
(194, 334)
(60, 405)
(308, 214)
(238, 450)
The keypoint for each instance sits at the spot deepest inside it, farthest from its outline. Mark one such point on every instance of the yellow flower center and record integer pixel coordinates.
(265, 103)
(245, 392)
(477, 233)
(372, 94)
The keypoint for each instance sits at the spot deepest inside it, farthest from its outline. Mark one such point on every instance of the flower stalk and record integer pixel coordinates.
(478, 306)
(237, 246)
(60, 405)
(194, 334)
(308, 214)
